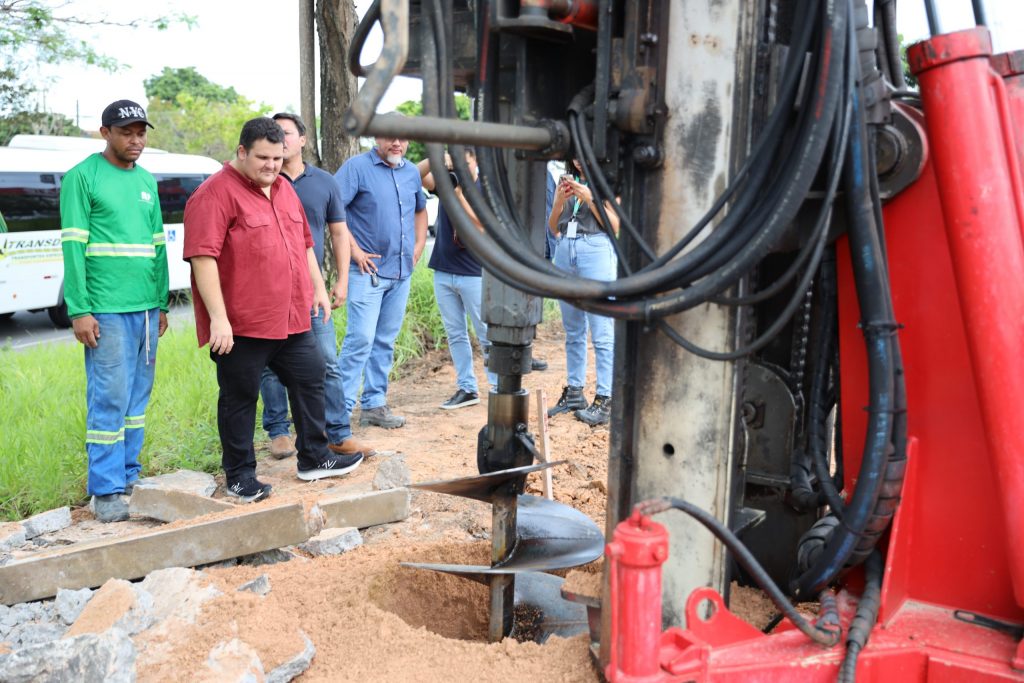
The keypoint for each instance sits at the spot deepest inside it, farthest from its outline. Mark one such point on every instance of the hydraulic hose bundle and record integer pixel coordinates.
(818, 126)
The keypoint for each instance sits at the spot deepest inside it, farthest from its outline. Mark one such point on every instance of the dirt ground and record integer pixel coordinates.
(373, 620)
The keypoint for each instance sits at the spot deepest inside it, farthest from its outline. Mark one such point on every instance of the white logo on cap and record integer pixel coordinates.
(126, 112)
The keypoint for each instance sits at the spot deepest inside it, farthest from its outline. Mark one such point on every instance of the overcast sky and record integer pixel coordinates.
(232, 46)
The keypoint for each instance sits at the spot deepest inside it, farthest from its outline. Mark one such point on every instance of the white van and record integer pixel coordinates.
(31, 262)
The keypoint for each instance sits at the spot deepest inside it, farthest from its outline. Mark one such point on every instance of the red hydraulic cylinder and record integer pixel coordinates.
(1010, 65)
(638, 549)
(979, 177)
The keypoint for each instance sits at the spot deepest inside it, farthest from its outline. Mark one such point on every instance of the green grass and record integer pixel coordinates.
(42, 395)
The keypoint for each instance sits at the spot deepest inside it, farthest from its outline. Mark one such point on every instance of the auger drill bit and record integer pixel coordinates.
(530, 535)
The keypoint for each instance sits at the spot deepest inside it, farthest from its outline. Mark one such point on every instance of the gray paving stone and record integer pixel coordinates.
(12, 535)
(45, 522)
(294, 666)
(69, 604)
(92, 563)
(170, 505)
(234, 662)
(392, 473)
(108, 657)
(179, 592)
(260, 585)
(188, 481)
(362, 510)
(334, 541)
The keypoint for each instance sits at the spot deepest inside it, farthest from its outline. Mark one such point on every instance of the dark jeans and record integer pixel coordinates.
(297, 361)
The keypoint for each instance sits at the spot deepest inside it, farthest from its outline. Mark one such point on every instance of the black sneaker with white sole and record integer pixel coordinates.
(248, 490)
(461, 399)
(334, 466)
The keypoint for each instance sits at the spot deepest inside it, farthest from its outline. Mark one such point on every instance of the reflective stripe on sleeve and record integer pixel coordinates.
(74, 235)
(129, 250)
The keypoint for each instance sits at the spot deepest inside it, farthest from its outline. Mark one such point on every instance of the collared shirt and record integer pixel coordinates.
(380, 206)
(260, 246)
(321, 200)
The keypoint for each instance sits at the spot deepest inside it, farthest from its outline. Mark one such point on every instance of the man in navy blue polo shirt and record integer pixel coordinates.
(321, 200)
(457, 289)
(386, 215)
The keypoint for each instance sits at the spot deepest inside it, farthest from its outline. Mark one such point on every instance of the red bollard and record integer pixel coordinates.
(970, 130)
(638, 549)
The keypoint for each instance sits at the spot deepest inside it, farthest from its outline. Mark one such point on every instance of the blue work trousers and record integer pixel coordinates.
(589, 256)
(119, 376)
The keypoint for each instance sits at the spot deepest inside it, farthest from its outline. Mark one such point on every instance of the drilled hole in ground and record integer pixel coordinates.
(444, 604)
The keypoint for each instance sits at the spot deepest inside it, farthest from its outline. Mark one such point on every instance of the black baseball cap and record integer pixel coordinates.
(123, 113)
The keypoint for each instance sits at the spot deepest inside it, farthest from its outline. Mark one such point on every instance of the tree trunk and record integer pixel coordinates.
(307, 79)
(336, 22)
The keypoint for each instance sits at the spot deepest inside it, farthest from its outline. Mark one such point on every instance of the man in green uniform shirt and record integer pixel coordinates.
(115, 286)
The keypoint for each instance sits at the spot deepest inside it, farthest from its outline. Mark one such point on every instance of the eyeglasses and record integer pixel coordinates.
(389, 139)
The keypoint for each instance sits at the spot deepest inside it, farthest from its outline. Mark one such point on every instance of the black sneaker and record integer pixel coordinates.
(461, 399)
(334, 466)
(572, 399)
(597, 413)
(248, 490)
(538, 365)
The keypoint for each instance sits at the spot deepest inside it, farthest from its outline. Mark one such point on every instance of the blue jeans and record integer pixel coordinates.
(375, 317)
(119, 378)
(275, 397)
(458, 296)
(590, 256)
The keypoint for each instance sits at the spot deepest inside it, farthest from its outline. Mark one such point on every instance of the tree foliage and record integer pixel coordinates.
(195, 125)
(172, 82)
(42, 31)
(36, 123)
(417, 151)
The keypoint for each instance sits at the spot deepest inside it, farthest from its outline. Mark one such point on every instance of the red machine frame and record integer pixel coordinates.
(955, 549)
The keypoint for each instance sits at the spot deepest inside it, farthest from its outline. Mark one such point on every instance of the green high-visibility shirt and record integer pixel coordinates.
(112, 236)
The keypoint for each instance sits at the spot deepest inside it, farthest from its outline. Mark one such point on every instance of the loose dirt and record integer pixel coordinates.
(371, 619)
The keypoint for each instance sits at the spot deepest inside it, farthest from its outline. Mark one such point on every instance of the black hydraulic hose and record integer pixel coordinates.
(819, 239)
(828, 88)
(771, 137)
(827, 631)
(892, 43)
(878, 327)
(583, 289)
(864, 620)
(820, 403)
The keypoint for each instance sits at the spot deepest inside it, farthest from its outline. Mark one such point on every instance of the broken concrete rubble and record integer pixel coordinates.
(214, 538)
(108, 657)
(333, 542)
(45, 522)
(170, 505)
(185, 481)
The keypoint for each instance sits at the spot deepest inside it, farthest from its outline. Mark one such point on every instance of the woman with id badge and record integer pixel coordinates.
(584, 248)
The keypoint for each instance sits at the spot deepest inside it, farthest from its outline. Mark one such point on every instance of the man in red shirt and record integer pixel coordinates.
(254, 280)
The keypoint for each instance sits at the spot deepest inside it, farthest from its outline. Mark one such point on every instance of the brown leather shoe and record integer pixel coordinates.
(281, 447)
(351, 447)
